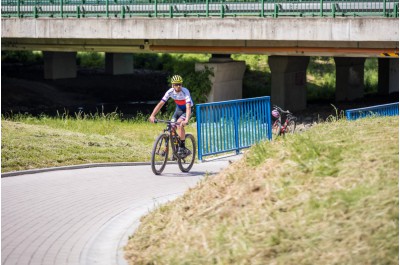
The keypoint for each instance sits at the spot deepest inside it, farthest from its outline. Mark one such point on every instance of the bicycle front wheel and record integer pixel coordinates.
(291, 126)
(185, 163)
(159, 155)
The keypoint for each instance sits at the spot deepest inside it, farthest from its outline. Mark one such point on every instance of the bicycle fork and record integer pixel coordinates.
(162, 150)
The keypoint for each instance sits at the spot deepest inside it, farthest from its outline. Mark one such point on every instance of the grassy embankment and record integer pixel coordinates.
(40, 142)
(326, 196)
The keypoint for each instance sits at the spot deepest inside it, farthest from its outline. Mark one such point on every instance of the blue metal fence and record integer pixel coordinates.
(379, 110)
(232, 125)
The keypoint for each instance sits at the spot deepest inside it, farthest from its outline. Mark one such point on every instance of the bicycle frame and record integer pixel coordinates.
(173, 135)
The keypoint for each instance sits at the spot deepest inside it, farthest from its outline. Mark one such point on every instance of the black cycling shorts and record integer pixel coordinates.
(178, 114)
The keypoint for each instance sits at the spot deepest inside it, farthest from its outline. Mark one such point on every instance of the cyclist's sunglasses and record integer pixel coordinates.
(177, 84)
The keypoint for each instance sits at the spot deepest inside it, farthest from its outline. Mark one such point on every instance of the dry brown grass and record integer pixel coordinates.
(328, 196)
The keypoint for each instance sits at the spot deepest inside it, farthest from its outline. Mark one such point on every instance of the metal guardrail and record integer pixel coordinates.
(379, 110)
(232, 125)
(197, 8)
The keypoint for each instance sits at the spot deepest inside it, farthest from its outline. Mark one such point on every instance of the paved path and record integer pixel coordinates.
(84, 216)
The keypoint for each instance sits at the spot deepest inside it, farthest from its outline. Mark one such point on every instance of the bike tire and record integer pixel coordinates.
(185, 164)
(276, 128)
(291, 126)
(159, 154)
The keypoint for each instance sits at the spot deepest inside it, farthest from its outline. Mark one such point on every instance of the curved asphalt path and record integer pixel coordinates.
(85, 215)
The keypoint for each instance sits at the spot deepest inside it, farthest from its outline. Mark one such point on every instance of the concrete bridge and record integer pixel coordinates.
(289, 42)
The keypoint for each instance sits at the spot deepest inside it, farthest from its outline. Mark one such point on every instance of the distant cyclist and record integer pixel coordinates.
(183, 100)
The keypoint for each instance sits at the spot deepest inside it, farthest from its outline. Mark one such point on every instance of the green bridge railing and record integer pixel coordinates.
(197, 8)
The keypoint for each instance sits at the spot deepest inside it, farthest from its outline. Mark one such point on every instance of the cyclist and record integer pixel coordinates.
(184, 103)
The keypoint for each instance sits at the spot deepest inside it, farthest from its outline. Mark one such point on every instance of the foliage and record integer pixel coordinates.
(371, 75)
(198, 82)
(257, 77)
(21, 57)
(91, 59)
(321, 76)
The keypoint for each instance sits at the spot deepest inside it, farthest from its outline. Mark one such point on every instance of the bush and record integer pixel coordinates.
(91, 59)
(321, 79)
(257, 77)
(371, 75)
(197, 82)
(21, 57)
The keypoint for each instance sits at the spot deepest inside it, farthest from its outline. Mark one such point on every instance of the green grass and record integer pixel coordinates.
(325, 196)
(38, 142)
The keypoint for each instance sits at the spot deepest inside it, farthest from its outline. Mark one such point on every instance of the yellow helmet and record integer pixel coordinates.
(176, 79)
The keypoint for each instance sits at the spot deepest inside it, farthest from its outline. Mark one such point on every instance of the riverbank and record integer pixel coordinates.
(24, 89)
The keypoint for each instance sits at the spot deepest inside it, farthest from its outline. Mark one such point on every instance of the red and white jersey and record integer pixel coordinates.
(181, 98)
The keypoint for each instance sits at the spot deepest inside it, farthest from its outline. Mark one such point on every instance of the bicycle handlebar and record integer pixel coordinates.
(281, 110)
(169, 122)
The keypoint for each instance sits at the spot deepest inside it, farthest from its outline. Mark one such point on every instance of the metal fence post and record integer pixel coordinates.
(384, 8)
(222, 11)
(123, 12)
(107, 7)
(61, 8)
(19, 8)
(171, 12)
(276, 10)
(333, 10)
(199, 136)
(207, 7)
(269, 123)
(155, 8)
(236, 126)
(321, 10)
(262, 8)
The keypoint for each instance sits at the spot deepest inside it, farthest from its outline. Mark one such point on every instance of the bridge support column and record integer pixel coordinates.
(388, 76)
(119, 63)
(349, 78)
(227, 81)
(58, 65)
(288, 87)
(394, 75)
(383, 76)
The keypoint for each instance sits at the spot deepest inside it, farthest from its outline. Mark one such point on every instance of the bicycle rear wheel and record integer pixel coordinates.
(185, 163)
(291, 126)
(276, 128)
(159, 154)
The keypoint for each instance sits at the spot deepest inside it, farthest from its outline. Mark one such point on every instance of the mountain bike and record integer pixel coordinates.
(170, 138)
(288, 126)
